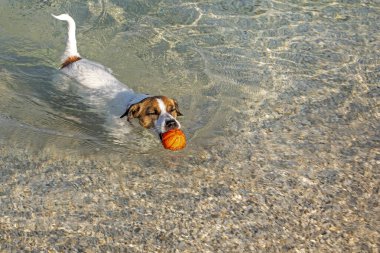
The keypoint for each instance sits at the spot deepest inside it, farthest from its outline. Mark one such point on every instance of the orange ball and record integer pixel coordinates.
(173, 139)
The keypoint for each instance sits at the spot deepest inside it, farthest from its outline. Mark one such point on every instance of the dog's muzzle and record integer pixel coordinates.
(171, 124)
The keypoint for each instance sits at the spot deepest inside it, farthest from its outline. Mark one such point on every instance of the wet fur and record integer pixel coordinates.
(158, 113)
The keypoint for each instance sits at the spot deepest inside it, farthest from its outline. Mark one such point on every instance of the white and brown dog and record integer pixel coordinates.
(153, 112)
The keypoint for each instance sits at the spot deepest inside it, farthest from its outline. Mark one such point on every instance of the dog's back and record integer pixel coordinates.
(111, 97)
(93, 75)
(88, 73)
(98, 87)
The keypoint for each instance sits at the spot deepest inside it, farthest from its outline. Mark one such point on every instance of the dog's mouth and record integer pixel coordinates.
(161, 134)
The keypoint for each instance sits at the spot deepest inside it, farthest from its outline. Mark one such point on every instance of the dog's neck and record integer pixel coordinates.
(123, 99)
(138, 97)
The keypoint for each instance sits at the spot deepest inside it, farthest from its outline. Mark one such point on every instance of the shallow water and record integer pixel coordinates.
(279, 99)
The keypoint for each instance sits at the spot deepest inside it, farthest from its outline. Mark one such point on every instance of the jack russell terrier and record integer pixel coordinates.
(153, 112)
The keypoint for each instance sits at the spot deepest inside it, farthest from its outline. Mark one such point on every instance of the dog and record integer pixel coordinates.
(158, 113)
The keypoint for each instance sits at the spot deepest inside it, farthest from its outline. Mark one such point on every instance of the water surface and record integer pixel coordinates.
(281, 113)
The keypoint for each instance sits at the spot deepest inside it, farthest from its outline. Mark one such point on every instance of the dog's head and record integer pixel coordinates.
(158, 113)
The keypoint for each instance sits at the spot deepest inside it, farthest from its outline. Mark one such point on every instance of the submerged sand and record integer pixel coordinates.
(281, 104)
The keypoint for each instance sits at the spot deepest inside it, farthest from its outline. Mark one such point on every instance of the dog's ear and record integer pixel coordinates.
(132, 112)
(177, 109)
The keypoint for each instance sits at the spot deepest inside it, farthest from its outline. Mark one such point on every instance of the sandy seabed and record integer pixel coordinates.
(282, 116)
(315, 198)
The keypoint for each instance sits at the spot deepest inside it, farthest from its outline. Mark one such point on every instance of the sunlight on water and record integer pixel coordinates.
(278, 98)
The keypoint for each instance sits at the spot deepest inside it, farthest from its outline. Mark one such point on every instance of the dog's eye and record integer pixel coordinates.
(172, 110)
(152, 113)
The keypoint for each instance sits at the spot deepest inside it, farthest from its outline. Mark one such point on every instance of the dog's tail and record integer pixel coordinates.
(71, 45)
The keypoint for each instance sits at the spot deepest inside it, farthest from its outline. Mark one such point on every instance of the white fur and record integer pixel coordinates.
(164, 117)
(102, 90)
(71, 44)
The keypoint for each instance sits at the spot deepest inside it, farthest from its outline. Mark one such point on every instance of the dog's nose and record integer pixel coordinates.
(171, 124)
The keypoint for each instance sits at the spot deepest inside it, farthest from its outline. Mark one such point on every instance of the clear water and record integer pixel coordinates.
(266, 86)
(234, 67)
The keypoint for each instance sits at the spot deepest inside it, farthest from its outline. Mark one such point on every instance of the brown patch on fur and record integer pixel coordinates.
(70, 60)
(171, 106)
(148, 110)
